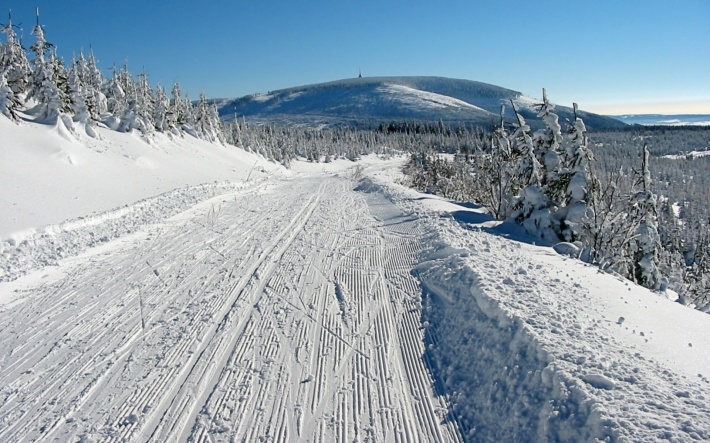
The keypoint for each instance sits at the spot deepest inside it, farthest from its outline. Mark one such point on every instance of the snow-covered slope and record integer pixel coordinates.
(369, 101)
(49, 175)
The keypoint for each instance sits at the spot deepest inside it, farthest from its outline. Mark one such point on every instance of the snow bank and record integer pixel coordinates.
(49, 175)
(531, 345)
(62, 192)
(503, 385)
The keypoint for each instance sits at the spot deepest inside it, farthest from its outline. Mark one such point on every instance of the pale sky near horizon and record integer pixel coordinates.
(611, 57)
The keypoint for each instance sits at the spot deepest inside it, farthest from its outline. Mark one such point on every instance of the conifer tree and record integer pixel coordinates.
(175, 116)
(42, 87)
(161, 109)
(81, 99)
(13, 61)
(547, 145)
(115, 95)
(527, 171)
(645, 245)
(207, 120)
(8, 103)
(94, 81)
(579, 180)
(144, 107)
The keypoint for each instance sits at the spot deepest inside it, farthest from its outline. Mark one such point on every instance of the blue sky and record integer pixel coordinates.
(612, 57)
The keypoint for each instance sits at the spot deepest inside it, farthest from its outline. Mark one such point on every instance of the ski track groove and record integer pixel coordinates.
(298, 324)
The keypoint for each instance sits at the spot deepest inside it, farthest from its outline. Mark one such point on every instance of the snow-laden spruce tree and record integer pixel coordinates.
(13, 61)
(645, 245)
(42, 86)
(175, 115)
(87, 100)
(116, 102)
(548, 151)
(541, 202)
(580, 182)
(139, 114)
(161, 106)
(207, 122)
(526, 172)
(8, 103)
(94, 81)
(81, 97)
(499, 194)
(78, 94)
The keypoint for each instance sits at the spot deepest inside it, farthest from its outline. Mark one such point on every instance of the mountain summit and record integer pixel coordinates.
(369, 101)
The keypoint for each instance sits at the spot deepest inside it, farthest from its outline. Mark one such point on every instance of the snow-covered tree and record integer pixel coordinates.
(13, 61)
(497, 166)
(580, 182)
(8, 103)
(539, 203)
(94, 81)
(526, 172)
(161, 109)
(44, 88)
(142, 106)
(177, 113)
(115, 96)
(207, 122)
(645, 245)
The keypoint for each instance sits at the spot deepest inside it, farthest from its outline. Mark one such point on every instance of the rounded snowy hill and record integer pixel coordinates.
(369, 101)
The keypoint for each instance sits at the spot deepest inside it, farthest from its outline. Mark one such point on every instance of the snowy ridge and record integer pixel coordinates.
(534, 346)
(369, 101)
(687, 155)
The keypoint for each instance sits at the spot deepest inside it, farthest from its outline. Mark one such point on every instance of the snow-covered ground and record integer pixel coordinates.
(49, 175)
(327, 303)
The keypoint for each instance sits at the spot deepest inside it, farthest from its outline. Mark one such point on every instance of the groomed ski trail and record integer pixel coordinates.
(284, 313)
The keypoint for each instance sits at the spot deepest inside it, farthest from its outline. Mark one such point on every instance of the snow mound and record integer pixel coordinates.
(368, 186)
(570, 249)
(504, 386)
(525, 355)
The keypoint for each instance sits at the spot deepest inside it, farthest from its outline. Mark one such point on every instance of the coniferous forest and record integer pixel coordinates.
(632, 201)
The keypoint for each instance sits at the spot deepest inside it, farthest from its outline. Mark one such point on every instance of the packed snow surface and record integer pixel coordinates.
(327, 304)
